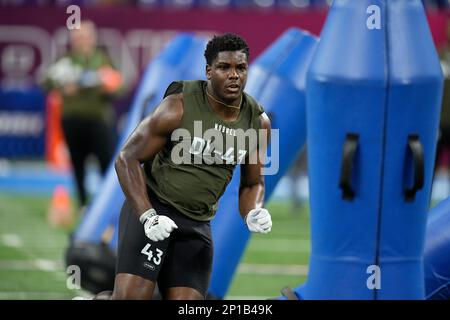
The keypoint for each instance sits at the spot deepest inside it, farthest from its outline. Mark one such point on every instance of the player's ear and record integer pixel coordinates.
(208, 72)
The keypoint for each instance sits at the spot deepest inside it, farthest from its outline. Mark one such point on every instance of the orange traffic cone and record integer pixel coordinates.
(56, 151)
(60, 213)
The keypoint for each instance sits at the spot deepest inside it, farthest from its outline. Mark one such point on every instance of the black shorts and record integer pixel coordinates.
(182, 260)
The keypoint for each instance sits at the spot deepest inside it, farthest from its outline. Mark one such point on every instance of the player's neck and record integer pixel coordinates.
(228, 111)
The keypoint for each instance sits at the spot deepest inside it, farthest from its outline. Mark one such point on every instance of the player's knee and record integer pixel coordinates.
(131, 294)
(132, 287)
(119, 294)
(184, 294)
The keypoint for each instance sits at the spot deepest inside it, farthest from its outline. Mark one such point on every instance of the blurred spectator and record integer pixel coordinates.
(87, 82)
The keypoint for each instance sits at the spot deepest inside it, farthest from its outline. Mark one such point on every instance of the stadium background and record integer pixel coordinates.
(33, 34)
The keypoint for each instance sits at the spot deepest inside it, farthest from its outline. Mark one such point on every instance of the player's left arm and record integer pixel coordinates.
(251, 189)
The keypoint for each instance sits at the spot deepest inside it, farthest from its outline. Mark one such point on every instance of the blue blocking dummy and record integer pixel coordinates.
(373, 101)
(181, 59)
(436, 256)
(277, 81)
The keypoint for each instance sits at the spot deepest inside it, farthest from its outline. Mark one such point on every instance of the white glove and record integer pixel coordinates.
(259, 220)
(157, 227)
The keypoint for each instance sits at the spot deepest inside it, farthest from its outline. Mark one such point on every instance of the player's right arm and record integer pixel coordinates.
(143, 144)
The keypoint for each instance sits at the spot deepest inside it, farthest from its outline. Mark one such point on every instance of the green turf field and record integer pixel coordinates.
(277, 259)
(31, 253)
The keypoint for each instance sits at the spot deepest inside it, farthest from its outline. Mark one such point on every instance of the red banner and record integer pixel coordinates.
(32, 37)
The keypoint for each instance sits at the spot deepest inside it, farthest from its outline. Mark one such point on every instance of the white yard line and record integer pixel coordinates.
(54, 267)
(33, 262)
(19, 295)
(48, 265)
(273, 269)
(11, 240)
(281, 245)
(244, 268)
(32, 265)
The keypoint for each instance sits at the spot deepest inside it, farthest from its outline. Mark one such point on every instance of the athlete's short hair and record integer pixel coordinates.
(225, 42)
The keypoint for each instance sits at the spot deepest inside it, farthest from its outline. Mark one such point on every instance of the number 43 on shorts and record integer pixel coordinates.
(149, 253)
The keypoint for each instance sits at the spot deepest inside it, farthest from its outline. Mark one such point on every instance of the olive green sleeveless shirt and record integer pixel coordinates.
(195, 166)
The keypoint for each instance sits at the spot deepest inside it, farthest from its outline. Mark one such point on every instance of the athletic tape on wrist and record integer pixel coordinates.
(147, 215)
